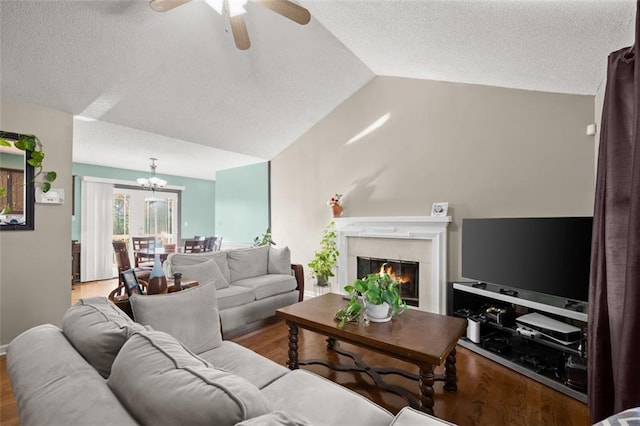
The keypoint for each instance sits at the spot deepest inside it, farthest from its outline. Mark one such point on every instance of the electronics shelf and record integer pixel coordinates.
(560, 365)
(580, 396)
(541, 302)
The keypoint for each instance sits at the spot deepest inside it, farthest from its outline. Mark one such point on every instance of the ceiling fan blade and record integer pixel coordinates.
(164, 5)
(288, 9)
(239, 30)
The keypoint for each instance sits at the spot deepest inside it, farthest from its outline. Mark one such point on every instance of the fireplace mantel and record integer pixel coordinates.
(431, 228)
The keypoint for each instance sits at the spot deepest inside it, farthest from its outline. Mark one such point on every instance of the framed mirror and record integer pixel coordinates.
(17, 178)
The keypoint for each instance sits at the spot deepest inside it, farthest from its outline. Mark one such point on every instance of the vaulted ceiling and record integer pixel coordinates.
(172, 85)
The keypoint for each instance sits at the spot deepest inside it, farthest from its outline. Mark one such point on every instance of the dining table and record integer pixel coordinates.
(150, 253)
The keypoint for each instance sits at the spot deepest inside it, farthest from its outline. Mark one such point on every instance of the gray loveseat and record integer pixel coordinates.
(252, 282)
(102, 368)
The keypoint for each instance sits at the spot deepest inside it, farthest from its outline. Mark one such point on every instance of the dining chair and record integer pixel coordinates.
(142, 243)
(193, 246)
(218, 244)
(169, 248)
(124, 264)
(210, 243)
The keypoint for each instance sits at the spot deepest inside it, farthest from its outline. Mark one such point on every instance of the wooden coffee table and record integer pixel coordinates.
(421, 338)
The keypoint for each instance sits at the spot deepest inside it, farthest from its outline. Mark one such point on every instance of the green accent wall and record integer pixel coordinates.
(198, 198)
(242, 203)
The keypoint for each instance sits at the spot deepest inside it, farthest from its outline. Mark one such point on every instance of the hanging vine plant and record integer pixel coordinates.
(32, 145)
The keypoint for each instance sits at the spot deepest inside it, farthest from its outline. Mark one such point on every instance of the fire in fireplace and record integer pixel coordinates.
(403, 271)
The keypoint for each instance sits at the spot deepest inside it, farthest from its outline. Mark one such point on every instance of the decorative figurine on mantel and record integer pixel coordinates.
(334, 202)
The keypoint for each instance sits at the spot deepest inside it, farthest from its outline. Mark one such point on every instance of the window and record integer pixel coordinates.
(121, 213)
(139, 212)
(158, 218)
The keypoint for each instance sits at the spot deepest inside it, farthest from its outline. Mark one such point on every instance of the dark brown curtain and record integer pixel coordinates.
(614, 298)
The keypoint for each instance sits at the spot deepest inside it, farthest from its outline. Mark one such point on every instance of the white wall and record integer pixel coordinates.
(487, 151)
(35, 266)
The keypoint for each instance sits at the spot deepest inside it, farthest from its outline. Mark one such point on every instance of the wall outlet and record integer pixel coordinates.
(53, 196)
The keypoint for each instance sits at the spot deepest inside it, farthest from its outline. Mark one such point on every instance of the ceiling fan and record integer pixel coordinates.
(235, 10)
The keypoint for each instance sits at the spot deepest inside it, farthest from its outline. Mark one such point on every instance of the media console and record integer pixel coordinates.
(547, 344)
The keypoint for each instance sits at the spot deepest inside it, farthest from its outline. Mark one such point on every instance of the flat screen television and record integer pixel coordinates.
(549, 255)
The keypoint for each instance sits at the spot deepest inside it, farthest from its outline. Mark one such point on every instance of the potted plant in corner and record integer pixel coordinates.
(326, 258)
(264, 240)
(377, 296)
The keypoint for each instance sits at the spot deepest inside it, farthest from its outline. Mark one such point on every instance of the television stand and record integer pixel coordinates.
(492, 312)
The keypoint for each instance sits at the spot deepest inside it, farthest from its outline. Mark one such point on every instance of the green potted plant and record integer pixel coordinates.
(326, 258)
(264, 240)
(377, 295)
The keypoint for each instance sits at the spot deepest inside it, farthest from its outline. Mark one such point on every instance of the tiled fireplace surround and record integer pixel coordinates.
(415, 238)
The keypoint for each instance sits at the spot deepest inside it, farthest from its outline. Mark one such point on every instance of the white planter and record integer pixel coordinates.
(378, 311)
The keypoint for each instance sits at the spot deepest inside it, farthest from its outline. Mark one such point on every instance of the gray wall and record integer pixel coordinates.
(487, 151)
(35, 266)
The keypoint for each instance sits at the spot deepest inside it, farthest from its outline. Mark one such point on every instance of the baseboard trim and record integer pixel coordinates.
(3, 350)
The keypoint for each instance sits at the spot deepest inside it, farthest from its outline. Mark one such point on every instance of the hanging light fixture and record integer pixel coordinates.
(154, 182)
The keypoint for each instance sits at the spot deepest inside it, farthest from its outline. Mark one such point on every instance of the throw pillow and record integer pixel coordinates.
(279, 261)
(190, 315)
(205, 273)
(220, 258)
(160, 382)
(248, 262)
(97, 329)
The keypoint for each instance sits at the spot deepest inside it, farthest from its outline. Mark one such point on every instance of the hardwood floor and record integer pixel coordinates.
(8, 407)
(488, 393)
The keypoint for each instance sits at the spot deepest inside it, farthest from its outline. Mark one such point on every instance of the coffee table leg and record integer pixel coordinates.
(331, 343)
(426, 381)
(292, 363)
(450, 372)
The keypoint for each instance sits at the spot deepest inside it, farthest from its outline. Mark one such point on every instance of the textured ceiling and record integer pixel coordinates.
(160, 84)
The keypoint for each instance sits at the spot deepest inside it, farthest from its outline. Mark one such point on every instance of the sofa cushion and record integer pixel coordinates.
(324, 402)
(190, 315)
(163, 383)
(410, 417)
(220, 257)
(245, 363)
(234, 296)
(279, 261)
(248, 262)
(97, 329)
(268, 285)
(207, 272)
(54, 385)
(275, 418)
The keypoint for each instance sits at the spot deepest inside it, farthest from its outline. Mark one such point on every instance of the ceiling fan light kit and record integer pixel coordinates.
(235, 10)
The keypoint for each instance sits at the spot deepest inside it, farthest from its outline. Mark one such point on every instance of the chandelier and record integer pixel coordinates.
(154, 182)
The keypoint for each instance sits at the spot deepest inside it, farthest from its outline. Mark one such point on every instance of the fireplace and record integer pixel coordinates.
(422, 239)
(405, 273)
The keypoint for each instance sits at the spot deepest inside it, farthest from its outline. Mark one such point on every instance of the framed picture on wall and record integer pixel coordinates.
(439, 209)
(131, 282)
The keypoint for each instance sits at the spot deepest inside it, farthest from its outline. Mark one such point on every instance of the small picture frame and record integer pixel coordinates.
(131, 283)
(439, 209)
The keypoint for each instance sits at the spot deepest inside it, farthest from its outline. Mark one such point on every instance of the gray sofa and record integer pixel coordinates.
(252, 282)
(172, 368)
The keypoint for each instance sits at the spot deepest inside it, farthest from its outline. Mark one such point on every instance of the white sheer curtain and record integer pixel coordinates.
(96, 231)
